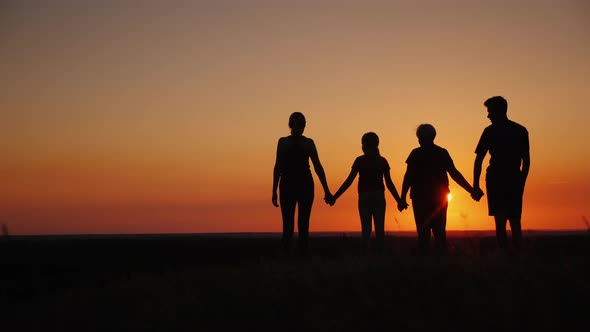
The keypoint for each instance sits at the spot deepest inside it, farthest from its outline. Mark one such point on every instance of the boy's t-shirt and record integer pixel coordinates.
(429, 166)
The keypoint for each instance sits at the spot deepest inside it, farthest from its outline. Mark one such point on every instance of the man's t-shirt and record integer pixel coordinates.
(370, 169)
(507, 142)
(428, 166)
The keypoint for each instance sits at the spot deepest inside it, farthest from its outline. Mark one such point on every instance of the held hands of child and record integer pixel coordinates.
(330, 200)
(476, 194)
(402, 205)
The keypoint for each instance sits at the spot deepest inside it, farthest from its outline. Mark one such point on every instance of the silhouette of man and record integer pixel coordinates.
(292, 176)
(508, 145)
(426, 175)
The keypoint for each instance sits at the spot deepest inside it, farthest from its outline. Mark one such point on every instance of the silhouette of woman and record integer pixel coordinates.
(296, 186)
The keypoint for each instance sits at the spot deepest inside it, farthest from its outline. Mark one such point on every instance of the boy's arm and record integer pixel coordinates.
(403, 203)
(406, 183)
(460, 179)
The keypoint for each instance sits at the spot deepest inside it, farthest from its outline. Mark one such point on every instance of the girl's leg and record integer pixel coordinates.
(366, 215)
(379, 220)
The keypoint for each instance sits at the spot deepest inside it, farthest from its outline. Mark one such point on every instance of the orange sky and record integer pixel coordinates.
(165, 118)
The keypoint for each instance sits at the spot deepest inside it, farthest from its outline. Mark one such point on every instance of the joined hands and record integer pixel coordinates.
(330, 199)
(402, 205)
(476, 194)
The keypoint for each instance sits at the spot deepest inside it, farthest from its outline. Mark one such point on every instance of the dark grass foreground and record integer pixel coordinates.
(196, 283)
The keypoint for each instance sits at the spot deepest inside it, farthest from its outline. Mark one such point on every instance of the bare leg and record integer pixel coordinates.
(501, 236)
(515, 227)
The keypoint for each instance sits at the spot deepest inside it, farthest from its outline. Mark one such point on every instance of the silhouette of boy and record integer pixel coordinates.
(508, 145)
(426, 177)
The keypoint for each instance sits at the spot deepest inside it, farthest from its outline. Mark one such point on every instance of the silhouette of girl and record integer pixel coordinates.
(296, 186)
(372, 169)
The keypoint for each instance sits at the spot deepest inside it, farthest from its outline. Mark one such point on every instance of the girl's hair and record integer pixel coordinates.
(296, 118)
(370, 141)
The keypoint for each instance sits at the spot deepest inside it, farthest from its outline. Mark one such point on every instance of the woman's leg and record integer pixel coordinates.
(288, 214)
(304, 214)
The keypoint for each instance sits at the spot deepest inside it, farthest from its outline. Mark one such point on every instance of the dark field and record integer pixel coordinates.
(218, 283)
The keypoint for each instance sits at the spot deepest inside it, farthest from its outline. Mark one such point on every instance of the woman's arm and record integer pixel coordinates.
(276, 175)
(317, 166)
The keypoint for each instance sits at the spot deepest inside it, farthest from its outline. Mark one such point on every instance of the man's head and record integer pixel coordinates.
(497, 108)
(426, 134)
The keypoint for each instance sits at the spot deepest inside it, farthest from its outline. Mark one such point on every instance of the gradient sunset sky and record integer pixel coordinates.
(164, 116)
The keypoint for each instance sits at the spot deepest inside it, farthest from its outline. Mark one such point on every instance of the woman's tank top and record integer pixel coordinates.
(295, 158)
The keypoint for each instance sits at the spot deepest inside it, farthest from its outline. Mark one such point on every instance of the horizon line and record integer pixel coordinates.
(278, 233)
